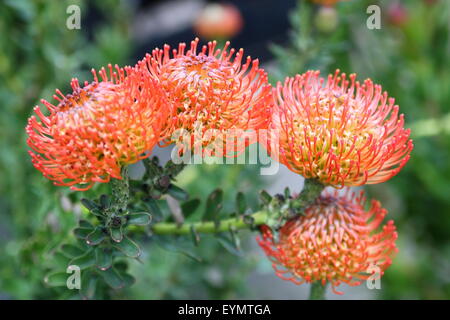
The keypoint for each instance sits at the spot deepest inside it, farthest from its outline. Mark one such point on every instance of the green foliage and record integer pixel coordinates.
(200, 265)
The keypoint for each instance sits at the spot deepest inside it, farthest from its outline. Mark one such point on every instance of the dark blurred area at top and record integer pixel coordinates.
(265, 22)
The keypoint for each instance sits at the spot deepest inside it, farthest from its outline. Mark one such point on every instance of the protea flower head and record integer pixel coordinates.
(336, 241)
(338, 131)
(90, 134)
(210, 89)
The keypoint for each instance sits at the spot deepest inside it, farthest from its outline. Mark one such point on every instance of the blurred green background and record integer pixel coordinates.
(409, 56)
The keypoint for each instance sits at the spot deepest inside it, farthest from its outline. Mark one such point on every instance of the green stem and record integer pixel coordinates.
(317, 291)
(311, 190)
(121, 191)
(254, 219)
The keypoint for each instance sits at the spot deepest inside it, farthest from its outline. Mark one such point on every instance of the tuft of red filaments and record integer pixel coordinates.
(210, 89)
(338, 130)
(336, 241)
(91, 133)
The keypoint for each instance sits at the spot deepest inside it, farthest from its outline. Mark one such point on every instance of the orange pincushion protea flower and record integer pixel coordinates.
(211, 90)
(335, 241)
(98, 128)
(342, 133)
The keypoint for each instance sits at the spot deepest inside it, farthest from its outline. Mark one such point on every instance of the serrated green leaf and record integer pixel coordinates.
(103, 258)
(139, 219)
(56, 279)
(213, 205)
(128, 247)
(116, 234)
(112, 278)
(189, 207)
(178, 193)
(96, 237)
(241, 203)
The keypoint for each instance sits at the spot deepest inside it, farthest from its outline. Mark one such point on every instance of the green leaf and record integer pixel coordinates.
(128, 279)
(85, 261)
(82, 233)
(173, 169)
(89, 204)
(195, 236)
(139, 218)
(153, 207)
(121, 266)
(171, 244)
(103, 258)
(105, 201)
(265, 197)
(96, 237)
(189, 207)
(71, 251)
(235, 238)
(241, 203)
(88, 285)
(85, 224)
(229, 245)
(56, 279)
(213, 205)
(112, 278)
(116, 234)
(60, 258)
(128, 247)
(178, 193)
(287, 193)
(152, 167)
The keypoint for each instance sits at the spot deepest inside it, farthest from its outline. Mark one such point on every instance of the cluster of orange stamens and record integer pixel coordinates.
(91, 133)
(211, 89)
(335, 241)
(338, 131)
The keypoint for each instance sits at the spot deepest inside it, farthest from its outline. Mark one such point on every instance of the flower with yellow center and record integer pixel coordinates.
(338, 131)
(98, 128)
(336, 241)
(211, 89)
